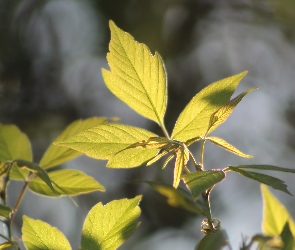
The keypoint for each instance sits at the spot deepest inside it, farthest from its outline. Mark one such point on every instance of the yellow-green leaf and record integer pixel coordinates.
(194, 119)
(182, 157)
(14, 145)
(136, 77)
(107, 227)
(222, 143)
(69, 182)
(56, 155)
(42, 236)
(224, 112)
(275, 215)
(104, 141)
(132, 157)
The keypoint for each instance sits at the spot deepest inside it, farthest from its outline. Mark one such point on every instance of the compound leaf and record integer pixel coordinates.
(56, 155)
(220, 116)
(262, 178)
(14, 145)
(40, 235)
(69, 182)
(275, 215)
(104, 141)
(194, 119)
(136, 77)
(107, 227)
(199, 182)
(222, 143)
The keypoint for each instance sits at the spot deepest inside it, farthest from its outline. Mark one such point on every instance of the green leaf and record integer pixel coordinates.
(107, 227)
(40, 235)
(104, 141)
(194, 119)
(262, 178)
(177, 197)
(56, 155)
(214, 241)
(275, 215)
(287, 238)
(199, 182)
(9, 246)
(222, 143)
(5, 212)
(132, 157)
(265, 167)
(182, 157)
(40, 172)
(136, 77)
(69, 182)
(220, 116)
(14, 145)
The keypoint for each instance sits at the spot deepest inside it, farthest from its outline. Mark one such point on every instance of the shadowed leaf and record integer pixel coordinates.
(5, 211)
(214, 241)
(224, 112)
(262, 178)
(199, 182)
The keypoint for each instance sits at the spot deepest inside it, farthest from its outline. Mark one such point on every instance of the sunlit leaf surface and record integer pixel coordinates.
(136, 77)
(56, 155)
(37, 234)
(106, 227)
(69, 182)
(194, 119)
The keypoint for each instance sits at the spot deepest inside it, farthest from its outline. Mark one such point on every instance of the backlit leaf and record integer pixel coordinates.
(177, 197)
(56, 155)
(69, 182)
(199, 182)
(132, 157)
(40, 172)
(275, 215)
(224, 112)
(136, 77)
(222, 143)
(194, 119)
(182, 157)
(106, 227)
(40, 235)
(262, 178)
(104, 141)
(14, 145)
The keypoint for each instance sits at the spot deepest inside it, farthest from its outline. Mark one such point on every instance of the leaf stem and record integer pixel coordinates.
(202, 154)
(165, 131)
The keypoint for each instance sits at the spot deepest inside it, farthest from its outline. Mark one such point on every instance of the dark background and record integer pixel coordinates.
(51, 55)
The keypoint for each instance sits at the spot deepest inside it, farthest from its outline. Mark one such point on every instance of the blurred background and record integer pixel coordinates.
(51, 55)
